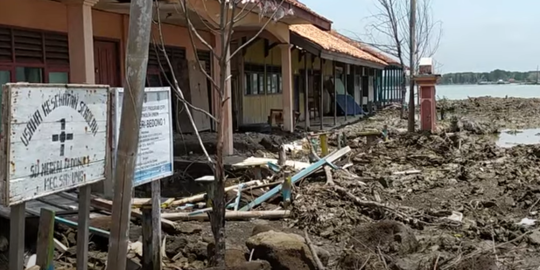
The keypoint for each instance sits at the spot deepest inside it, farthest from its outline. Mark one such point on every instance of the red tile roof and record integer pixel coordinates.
(330, 42)
(366, 48)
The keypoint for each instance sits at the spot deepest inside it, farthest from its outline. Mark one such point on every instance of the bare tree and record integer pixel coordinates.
(231, 12)
(389, 31)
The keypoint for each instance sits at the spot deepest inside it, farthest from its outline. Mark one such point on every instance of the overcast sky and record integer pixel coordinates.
(478, 35)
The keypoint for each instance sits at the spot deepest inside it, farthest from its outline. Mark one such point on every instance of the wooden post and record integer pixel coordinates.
(82, 227)
(140, 22)
(306, 93)
(412, 58)
(335, 91)
(17, 218)
(321, 109)
(345, 74)
(45, 241)
(323, 138)
(151, 230)
(282, 157)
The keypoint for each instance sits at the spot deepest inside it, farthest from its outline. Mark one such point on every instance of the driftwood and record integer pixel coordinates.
(230, 215)
(200, 197)
(106, 205)
(320, 266)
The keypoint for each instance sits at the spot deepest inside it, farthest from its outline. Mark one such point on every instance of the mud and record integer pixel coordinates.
(426, 180)
(450, 200)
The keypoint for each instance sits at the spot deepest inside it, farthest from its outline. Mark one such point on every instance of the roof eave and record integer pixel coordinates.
(339, 57)
(302, 16)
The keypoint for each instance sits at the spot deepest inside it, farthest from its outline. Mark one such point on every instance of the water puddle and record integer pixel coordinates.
(513, 137)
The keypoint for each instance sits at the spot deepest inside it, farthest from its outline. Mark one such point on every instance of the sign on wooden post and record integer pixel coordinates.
(54, 139)
(155, 154)
(154, 162)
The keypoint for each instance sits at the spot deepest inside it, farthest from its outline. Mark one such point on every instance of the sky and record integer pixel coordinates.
(477, 35)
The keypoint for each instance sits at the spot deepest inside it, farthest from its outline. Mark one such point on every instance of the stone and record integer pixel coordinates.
(188, 228)
(235, 257)
(285, 251)
(174, 245)
(388, 236)
(199, 249)
(260, 228)
(534, 238)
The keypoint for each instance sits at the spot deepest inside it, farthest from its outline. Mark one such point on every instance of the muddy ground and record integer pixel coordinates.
(451, 200)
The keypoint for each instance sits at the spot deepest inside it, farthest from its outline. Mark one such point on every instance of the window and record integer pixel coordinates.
(58, 77)
(262, 79)
(33, 56)
(158, 71)
(28, 74)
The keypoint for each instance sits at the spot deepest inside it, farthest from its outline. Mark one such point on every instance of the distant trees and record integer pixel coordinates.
(495, 75)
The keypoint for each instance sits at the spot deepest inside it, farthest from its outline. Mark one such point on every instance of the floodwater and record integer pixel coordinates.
(510, 138)
(507, 138)
(503, 90)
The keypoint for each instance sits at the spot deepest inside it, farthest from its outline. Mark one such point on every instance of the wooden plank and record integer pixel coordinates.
(45, 241)
(82, 228)
(16, 238)
(300, 175)
(151, 230)
(230, 215)
(73, 224)
(106, 205)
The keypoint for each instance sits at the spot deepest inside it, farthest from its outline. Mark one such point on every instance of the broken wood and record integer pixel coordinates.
(230, 215)
(407, 172)
(59, 246)
(282, 158)
(299, 176)
(329, 177)
(320, 266)
(200, 197)
(106, 205)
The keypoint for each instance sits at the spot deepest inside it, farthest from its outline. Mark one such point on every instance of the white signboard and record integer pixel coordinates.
(55, 139)
(155, 154)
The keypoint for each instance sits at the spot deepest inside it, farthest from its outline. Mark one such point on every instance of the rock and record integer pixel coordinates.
(235, 257)
(534, 238)
(188, 228)
(282, 250)
(253, 265)
(260, 228)
(174, 245)
(323, 254)
(197, 265)
(388, 236)
(4, 243)
(199, 249)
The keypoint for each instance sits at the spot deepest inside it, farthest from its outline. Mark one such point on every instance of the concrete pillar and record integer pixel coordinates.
(226, 125)
(286, 74)
(426, 91)
(81, 41)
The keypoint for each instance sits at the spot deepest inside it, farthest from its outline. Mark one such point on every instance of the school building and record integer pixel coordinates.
(298, 72)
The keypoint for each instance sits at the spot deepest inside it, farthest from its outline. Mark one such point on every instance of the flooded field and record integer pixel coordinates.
(513, 137)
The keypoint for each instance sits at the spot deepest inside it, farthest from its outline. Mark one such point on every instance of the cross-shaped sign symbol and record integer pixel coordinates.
(63, 136)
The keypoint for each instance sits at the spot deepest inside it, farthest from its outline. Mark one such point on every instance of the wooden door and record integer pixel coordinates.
(199, 96)
(106, 61)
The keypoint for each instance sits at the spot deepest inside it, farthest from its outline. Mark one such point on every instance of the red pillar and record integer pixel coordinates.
(426, 91)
